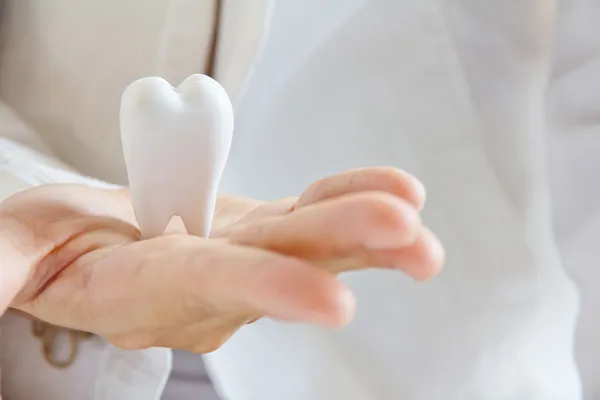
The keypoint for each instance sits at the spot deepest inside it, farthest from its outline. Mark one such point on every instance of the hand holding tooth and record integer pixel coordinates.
(73, 255)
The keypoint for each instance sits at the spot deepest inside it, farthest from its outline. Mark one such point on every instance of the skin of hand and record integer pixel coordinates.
(72, 256)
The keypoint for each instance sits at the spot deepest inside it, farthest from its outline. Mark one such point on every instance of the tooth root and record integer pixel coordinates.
(152, 215)
(197, 217)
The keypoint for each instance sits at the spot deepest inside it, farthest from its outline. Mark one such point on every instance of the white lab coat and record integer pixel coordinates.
(491, 103)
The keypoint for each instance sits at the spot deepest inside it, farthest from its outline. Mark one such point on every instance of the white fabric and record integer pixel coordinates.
(454, 91)
(242, 30)
(21, 353)
(574, 143)
(101, 372)
(15, 129)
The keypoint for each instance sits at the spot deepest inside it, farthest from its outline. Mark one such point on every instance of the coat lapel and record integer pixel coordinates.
(243, 27)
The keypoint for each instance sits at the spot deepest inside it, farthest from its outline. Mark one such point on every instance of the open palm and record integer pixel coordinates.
(73, 256)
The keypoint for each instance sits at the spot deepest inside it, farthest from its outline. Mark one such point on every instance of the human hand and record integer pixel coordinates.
(73, 256)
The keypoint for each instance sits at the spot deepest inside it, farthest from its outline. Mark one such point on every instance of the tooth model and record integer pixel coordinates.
(176, 141)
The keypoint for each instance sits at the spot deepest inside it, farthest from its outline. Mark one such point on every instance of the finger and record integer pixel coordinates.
(271, 209)
(250, 281)
(336, 228)
(258, 282)
(177, 279)
(384, 179)
(422, 260)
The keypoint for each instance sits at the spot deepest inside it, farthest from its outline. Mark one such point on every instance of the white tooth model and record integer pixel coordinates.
(176, 141)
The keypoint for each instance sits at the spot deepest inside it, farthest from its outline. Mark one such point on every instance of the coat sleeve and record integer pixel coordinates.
(27, 161)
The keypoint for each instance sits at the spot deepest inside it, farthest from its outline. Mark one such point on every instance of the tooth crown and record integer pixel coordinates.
(176, 142)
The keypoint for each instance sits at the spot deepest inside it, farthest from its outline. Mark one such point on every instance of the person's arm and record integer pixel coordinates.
(72, 254)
